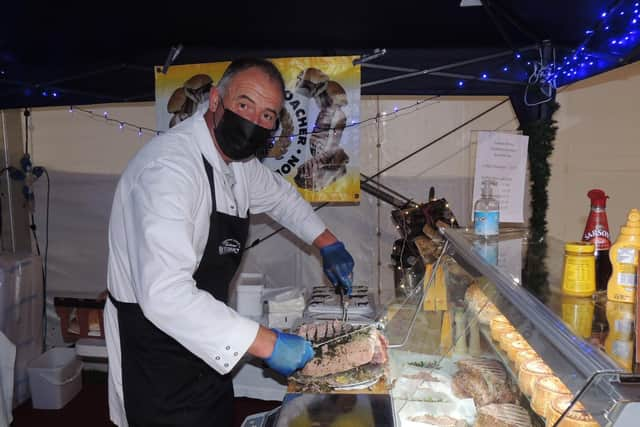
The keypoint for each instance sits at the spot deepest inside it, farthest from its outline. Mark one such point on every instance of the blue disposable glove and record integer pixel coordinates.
(337, 264)
(290, 353)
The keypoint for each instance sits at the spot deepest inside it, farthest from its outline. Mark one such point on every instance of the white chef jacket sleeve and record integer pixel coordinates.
(272, 194)
(159, 225)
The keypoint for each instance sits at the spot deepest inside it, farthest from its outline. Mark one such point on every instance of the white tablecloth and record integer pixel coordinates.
(251, 380)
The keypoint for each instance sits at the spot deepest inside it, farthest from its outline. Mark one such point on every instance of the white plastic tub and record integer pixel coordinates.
(249, 294)
(55, 377)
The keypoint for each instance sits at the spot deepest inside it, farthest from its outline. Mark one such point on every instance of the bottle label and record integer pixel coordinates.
(626, 255)
(599, 236)
(579, 274)
(486, 223)
(627, 279)
(597, 229)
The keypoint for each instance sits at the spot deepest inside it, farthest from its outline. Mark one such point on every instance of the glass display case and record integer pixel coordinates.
(488, 338)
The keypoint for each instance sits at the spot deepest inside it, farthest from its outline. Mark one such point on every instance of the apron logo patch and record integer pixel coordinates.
(229, 246)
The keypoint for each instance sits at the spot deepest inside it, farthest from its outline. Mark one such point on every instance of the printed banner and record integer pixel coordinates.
(317, 146)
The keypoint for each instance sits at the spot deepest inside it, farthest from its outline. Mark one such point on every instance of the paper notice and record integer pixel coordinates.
(503, 158)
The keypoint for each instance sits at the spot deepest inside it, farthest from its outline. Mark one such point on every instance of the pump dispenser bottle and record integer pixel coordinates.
(624, 261)
(486, 211)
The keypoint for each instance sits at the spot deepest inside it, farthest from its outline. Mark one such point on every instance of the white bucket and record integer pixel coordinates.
(55, 378)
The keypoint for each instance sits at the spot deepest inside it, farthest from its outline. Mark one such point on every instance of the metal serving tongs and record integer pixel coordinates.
(344, 300)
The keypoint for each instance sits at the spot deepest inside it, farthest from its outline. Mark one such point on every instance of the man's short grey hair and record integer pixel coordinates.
(243, 64)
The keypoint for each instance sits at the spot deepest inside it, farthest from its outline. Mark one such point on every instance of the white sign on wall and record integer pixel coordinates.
(502, 157)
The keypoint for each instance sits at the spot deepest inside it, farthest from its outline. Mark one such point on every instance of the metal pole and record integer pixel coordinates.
(451, 75)
(446, 67)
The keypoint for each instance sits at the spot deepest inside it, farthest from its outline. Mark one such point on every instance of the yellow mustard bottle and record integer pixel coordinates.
(624, 261)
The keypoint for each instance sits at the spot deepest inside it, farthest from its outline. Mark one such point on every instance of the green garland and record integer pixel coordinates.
(541, 134)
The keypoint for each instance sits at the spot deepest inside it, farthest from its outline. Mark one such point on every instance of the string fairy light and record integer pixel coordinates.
(614, 34)
(583, 62)
(122, 124)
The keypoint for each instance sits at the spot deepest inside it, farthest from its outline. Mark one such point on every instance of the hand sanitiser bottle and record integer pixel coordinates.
(486, 211)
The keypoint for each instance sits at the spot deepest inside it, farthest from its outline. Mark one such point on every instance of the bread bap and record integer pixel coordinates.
(197, 88)
(333, 96)
(176, 101)
(310, 82)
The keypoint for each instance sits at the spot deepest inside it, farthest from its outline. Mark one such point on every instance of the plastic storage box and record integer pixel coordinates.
(249, 294)
(55, 378)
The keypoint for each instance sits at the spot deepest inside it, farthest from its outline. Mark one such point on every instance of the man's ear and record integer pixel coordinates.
(214, 98)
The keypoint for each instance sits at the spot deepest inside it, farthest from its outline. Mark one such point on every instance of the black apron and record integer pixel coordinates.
(164, 384)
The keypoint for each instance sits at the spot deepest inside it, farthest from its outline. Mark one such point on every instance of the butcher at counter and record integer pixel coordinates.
(177, 232)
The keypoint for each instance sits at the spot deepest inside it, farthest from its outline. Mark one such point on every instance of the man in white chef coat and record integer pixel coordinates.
(177, 231)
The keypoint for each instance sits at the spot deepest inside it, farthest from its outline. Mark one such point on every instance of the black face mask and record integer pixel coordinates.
(239, 138)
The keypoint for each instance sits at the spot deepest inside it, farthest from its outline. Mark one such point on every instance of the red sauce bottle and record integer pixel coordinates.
(597, 232)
